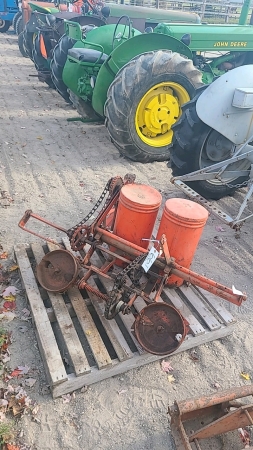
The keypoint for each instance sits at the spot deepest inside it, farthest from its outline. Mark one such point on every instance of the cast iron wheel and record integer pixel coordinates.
(28, 42)
(19, 25)
(41, 63)
(145, 100)
(14, 22)
(195, 146)
(4, 25)
(60, 54)
(21, 45)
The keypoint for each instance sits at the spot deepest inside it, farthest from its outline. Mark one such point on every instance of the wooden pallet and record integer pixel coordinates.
(80, 347)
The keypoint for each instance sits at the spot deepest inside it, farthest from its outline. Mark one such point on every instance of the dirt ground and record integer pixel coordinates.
(58, 169)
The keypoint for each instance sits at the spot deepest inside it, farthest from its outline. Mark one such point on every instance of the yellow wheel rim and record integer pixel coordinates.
(157, 111)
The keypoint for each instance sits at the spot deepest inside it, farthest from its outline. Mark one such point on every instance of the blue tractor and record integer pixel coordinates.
(8, 9)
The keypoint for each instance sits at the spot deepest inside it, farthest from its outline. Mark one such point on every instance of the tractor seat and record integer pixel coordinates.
(87, 55)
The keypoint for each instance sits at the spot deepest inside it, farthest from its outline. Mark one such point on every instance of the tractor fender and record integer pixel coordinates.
(215, 105)
(122, 54)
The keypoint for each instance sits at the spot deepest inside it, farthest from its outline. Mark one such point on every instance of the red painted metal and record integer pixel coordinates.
(123, 249)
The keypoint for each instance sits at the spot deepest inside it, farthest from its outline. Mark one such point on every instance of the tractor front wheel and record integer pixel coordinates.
(18, 27)
(21, 45)
(41, 64)
(4, 25)
(14, 22)
(60, 55)
(195, 146)
(145, 100)
(28, 42)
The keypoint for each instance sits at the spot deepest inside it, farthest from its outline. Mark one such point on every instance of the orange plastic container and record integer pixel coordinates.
(136, 214)
(182, 222)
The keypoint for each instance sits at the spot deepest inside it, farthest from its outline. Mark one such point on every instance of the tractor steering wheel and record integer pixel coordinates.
(120, 36)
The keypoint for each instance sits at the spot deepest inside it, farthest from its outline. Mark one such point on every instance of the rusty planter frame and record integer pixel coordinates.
(57, 272)
(223, 411)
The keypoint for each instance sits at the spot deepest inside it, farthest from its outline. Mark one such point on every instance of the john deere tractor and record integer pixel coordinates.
(46, 25)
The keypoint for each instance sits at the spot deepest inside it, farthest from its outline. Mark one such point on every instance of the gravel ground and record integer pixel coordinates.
(58, 169)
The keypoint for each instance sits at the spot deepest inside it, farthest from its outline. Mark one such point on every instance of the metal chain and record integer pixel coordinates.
(119, 282)
(71, 231)
(237, 186)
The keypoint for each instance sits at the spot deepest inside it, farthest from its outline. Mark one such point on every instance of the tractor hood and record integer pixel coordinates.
(205, 37)
(226, 105)
(152, 14)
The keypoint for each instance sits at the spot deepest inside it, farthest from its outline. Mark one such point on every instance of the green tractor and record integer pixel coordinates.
(46, 26)
(138, 82)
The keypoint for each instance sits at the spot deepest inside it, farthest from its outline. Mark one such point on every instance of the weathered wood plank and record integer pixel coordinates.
(51, 314)
(215, 303)
(89, 328)
(47, 343)
(95, 376)
(194, 325)
(113, 332)
(69, 334)
(200, 308)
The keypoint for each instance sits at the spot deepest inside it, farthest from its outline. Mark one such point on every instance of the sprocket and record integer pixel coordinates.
(76, 241)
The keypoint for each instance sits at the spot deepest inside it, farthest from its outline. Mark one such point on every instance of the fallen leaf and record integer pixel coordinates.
(14, 267)
(246, 376)
(3, 402)
(219, 228)
(10, 290)
(4, 255)
(7, 315)
(15, 373)
(12, 447)
(10, 306)
(245, 437)
(5, 358)
(166, 366)
(194, 355)
(40, 138)
(66, 398)
(35, 410)
(24, 369)
(30, 382)
(9, 298)
(171, 379)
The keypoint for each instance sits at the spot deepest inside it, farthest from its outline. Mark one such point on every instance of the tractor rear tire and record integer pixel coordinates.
(4, 25)
(145, 99)
(41, 63)
(59, 58)
(21, 45)
(14, 22)
(189, 152)
(19, 25)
